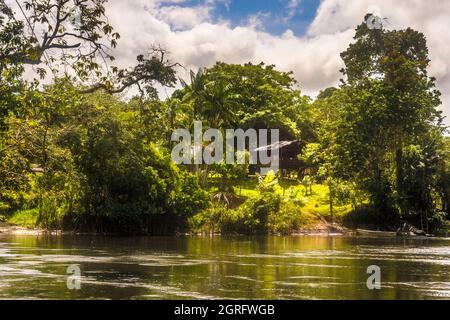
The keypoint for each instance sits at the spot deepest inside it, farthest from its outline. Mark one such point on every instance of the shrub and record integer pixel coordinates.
(252, 217)
(128, 186)
(370, 217)
(211, 220)
(438, 223)
(290, 218)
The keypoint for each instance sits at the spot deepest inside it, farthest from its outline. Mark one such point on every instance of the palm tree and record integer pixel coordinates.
(212, 102)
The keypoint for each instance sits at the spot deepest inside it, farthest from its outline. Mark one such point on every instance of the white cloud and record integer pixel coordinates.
(293, 7)
(256, 21)
(184, 17)
(195, 40)
(430, 17)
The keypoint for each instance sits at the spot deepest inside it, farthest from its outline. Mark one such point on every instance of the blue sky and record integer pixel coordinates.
(277, 16)
(197, 33)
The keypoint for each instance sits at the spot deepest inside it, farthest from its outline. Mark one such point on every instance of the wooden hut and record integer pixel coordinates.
(289, 162)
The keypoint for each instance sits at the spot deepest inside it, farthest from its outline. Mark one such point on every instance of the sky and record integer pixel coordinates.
(274, 16)
(303, 36)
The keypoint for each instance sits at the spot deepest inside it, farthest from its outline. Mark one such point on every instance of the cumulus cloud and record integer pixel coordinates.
(430, 17)
(195, 39)
(184, 17)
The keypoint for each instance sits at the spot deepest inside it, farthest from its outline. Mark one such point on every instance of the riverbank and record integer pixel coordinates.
(320, 229)
(299, 212)
(18, 230)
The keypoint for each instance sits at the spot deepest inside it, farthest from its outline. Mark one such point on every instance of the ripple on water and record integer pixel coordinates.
(285, 272)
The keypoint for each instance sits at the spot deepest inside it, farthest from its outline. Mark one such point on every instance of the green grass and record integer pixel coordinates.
(317, 203)
(247, 188)
(24, 218)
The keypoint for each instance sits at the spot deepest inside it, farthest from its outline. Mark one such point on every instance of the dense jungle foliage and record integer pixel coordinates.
(78, 153)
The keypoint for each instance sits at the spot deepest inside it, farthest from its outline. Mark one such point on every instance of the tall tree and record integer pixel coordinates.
(392, 103)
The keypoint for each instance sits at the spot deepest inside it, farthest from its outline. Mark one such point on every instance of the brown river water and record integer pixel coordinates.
(304, 267)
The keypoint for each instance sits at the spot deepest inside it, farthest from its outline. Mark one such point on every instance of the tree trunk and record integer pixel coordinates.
(330, 186)
(399, 178)
(445, 201)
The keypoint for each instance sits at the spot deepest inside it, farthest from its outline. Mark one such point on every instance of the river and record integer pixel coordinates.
(304, 267)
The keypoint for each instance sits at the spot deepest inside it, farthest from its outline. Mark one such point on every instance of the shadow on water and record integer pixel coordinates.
(223, 267)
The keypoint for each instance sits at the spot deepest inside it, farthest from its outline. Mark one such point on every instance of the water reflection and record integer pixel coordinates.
(219, 268)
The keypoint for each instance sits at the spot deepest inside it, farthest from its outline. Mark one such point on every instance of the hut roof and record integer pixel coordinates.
(276, 146)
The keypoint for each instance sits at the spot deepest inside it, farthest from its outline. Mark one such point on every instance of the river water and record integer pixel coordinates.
(307, 267)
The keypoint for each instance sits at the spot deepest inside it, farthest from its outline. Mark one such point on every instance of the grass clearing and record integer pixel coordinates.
(316, 203)
(24, 218)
